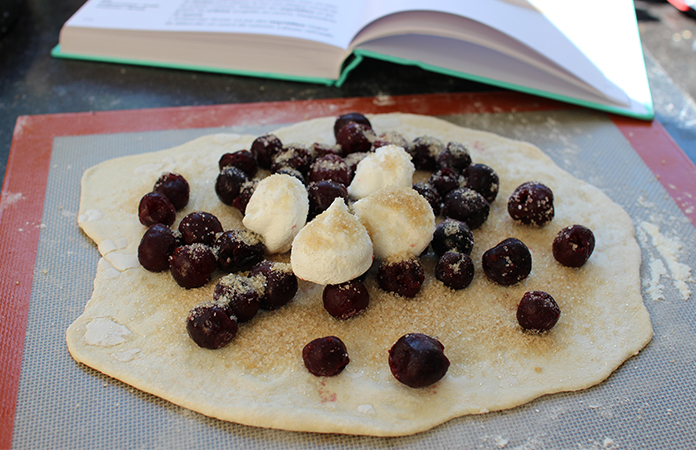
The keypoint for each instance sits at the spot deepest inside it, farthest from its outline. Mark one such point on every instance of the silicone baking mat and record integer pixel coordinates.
(49, 401)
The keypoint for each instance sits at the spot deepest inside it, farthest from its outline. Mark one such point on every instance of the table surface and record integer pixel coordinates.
(32, 82)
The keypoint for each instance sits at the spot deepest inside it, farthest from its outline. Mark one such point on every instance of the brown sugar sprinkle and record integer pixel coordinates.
(326, 229)
(461, 320)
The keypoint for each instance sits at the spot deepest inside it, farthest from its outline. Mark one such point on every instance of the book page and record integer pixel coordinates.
(327, 21)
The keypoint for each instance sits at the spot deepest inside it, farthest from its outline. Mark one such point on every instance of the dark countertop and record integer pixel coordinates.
(32, 82)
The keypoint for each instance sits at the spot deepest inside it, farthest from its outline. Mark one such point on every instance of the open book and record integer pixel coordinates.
(587, 54)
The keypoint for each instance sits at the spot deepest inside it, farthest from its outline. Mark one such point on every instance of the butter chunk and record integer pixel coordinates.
(333, 248)
(277, 211)
(388, 166)
(398, 219)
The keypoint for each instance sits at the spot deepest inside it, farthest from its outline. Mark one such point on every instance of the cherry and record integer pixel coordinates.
(325, 357)
(531, 203)
(353, 117)
(238, 250)
(229, 184)
(444, 180)
(466, 205)
(403, 276)
(294, 156)
(538, 311)
(243, 160)
(424, 151)
(355, 138)
(242, 200)
(346, 300)
(455, 270)
(452, 235)
(455, 156)
(483, 180)
(192, 265)
(264, 148)
(199, 227)
(573, 245)
(429, 192)
(175, 188)
(319, 149)
(210, 327)
(353, 159)
(156, 246)
(280, 283)
(238, 295)
(507, 263)
(156, 208)
(330, 167)
(389, 138)
(322, 194)
(287, 170)
(418, 360)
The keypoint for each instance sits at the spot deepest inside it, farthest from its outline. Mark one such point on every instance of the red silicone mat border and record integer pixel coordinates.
(23, 191)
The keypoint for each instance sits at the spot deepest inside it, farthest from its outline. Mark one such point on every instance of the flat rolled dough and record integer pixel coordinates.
(133, 326)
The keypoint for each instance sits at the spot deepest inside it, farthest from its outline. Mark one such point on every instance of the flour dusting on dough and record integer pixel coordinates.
(104, 332)
(670, 250)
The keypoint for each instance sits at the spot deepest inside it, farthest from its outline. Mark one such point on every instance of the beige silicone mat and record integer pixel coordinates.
(648, 403)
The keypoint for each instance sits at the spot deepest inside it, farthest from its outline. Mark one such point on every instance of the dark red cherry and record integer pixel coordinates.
(325, 357)
(455, 270)
(156, 246)
(424, 151)
(279, 283)
(199, 227)
(264, 148)
(319, 149)
(175, 188)
(390, 138)
(418, 360)
(444, 180)
(156, 208)
(507, 263)
(466, 205)
(452, 235)
(538, 311)
(531, 203)
(287, 170)
(192, 265)
(239, 296)
(244, 196)
(229, 184)
(355, 138)
(243, 160)
(238, 250)
(330, 167)
(402, 276)
(346, 300)
(353, 117)
(322, 194)
(573, 245)
(455, 156)
(210, 327)
(483, 180)
(294, 156)
(429, 192)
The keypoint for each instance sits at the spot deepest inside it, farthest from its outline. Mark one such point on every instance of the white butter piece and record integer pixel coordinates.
(387, 166)
(398, 219)
(333, 248)
(277, 211)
